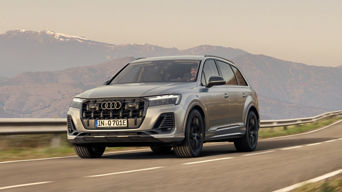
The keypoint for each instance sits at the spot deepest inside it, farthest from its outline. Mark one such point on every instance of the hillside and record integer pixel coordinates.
(61, 66)
(285, 89)
(23, 51)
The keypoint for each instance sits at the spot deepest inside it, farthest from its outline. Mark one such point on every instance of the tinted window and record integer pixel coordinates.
(227, 73)
(209, 69)
(159, 71)
(240, 78)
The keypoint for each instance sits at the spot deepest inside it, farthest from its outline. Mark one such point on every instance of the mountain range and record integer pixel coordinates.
(285, 89)
(24, 50)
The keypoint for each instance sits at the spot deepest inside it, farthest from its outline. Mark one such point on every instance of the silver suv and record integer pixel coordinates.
(176, 102)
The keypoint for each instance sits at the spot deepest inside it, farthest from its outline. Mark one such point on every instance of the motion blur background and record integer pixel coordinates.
(52, 50)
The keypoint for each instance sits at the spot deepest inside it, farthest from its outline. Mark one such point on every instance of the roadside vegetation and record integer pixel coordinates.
(295, 129)
(17, 147)
(333, 184)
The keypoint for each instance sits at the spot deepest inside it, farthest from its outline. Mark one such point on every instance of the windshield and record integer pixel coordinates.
(159, 71)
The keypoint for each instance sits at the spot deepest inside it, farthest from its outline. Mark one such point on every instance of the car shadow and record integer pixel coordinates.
(219, 148)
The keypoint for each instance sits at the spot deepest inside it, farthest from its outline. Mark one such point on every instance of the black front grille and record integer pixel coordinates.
(132, 109)
(165, 122)
(70, 124)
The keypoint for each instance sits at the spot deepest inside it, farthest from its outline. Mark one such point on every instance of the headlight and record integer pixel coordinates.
(77, 103)
(164, 100)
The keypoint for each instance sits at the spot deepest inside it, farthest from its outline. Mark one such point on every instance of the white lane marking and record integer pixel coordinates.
(132, 150)
(289, 148)
(322, 177)
(260, 153)
(65, 157)
(42, 159)
(305, 133)
(25, 185)
(329, 141)
(123, 172)
(205, 161)
(313, 144)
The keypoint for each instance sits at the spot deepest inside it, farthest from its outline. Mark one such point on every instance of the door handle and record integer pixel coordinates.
(226, 95)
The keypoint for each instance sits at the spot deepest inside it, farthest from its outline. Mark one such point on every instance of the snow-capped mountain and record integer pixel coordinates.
(285, 89)
(28, 51)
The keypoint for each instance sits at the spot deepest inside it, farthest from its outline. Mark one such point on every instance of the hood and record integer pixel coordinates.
(137, 90)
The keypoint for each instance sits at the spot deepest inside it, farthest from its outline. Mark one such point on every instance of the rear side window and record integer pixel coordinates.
(227, 73)
(209, 70)
(239, 77)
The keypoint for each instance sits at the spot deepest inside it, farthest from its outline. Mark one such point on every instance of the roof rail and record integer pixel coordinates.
(219, 57)
(139, 58)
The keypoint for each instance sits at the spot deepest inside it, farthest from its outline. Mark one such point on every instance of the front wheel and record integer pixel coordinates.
(193, 142)
(250, 140)
(89, 151)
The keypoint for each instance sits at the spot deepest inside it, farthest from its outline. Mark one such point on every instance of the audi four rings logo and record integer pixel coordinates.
(111, 105)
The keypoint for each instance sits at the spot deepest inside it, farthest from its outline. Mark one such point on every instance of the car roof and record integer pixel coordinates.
(181, 57)
(176, 57)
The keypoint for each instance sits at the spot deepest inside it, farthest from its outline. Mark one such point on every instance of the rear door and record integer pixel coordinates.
(243, 91)
(213, 97)
(233, 97)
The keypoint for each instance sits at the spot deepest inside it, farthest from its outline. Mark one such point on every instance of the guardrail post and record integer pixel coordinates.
(285, 127)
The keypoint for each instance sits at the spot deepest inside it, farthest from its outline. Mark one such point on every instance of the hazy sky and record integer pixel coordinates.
(306, 31)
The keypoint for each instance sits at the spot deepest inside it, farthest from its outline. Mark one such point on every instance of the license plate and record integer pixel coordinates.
(111, 123)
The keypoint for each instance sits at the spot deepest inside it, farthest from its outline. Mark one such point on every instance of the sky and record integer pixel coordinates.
(305, 31)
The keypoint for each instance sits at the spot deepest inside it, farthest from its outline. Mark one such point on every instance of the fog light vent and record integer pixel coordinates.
(70, 123)
(165, 122)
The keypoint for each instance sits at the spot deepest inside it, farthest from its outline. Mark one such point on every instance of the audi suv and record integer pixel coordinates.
(173, 103)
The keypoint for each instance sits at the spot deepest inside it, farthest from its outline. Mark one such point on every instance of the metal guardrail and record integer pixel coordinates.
(298, 121)
(16, 126)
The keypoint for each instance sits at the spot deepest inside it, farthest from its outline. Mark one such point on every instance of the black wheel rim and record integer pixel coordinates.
(253, 131)
(196, 133)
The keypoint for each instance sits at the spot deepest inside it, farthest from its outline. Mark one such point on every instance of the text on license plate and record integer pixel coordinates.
(111, 123)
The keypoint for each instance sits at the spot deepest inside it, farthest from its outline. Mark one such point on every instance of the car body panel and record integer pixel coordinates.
(224, 107)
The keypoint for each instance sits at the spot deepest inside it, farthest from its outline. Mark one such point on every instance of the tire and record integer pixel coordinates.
(161, 149)
(194, 136)
(89, 151)
(249, 141)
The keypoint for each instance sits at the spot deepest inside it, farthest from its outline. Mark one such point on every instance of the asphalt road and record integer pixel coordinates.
(276, 164)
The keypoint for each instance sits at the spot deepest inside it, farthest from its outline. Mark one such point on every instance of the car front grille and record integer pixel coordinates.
(132, 109)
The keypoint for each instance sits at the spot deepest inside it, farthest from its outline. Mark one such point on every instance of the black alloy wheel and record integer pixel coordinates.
(249, 141)
(194, 136)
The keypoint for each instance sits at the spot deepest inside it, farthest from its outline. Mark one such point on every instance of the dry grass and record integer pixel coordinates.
(17, 147)
(333, 184)
(280, 131)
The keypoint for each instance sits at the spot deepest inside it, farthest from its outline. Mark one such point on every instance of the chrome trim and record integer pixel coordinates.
(225, 135)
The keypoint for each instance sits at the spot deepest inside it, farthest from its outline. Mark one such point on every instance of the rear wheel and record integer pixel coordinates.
(250, 140)
(161, 149)
(193, 142)
(89, 151)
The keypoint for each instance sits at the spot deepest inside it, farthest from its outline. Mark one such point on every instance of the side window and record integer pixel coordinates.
(209, 69)
(240, 78)
(227, 73)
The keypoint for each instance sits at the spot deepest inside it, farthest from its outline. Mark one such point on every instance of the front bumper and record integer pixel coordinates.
(143, 135)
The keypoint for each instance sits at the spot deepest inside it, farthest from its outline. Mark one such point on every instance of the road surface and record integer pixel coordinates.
(277, 163)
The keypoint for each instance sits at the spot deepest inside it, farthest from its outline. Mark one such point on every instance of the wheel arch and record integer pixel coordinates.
(250, 108)
(254, 109)
(202, 112)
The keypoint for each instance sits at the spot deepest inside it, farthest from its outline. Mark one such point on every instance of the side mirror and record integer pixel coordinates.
(216, 80)
(106, 82)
